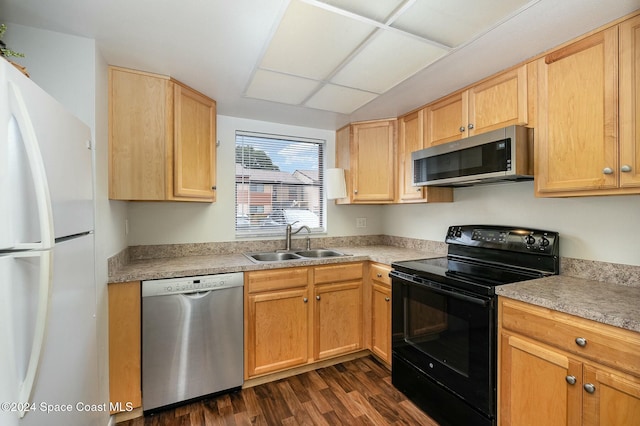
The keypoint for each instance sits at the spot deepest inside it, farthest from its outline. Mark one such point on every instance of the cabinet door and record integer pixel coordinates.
(446, 120)
(381, 321)
(576, 138)
(534, 385)
(498, 102)
(194, 174)
(337, 319)
(124, 344)
(373, 161)
(139, 105)
(277, 331)
(410, 138)
(630, 103)
(612, 399)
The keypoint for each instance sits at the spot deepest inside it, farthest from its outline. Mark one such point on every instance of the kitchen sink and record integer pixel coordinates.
(283, 256)
(319, 253)
(272, 256)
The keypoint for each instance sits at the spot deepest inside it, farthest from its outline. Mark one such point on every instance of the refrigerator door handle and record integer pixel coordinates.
(45, 213)
(25, 388)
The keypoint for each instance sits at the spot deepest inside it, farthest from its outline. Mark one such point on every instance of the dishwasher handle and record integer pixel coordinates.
(191, 285)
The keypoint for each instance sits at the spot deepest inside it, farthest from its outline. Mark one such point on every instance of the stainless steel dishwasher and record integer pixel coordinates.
(192, 338)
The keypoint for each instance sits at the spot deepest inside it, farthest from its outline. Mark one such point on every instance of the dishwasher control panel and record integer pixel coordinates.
(184, 285)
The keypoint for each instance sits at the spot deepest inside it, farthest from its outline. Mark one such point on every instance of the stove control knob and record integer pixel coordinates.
(529, 240)
(458, 233)
(544, 242)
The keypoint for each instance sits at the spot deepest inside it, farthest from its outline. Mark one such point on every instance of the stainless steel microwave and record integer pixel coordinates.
(503, 154)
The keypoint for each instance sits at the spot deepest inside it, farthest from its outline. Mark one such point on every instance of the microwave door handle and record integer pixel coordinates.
(45, 213)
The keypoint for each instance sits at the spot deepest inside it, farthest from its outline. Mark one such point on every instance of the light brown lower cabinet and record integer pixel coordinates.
(276, 320)
(285, 327)
(557, 369)
(125, 385)
(380, 311)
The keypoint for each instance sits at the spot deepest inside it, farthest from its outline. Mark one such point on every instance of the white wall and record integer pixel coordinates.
(72, 70)
(593, 228)
(172, 223)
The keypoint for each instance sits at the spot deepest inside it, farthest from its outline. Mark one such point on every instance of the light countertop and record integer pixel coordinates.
(607, 303)
(184, 266)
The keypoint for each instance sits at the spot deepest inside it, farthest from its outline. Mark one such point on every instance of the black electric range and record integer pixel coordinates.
(444, 326)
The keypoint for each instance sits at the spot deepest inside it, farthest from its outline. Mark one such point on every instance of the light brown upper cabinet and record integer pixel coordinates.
(410, 139)
(162, 139)
(582, 146)
(366, 151)
(496, 102)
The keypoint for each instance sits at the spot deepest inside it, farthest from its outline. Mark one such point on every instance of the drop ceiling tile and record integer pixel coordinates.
(339, 99)
(455, 22)
(378, 10)
(311, 42)
(387, 59)
(278, 87)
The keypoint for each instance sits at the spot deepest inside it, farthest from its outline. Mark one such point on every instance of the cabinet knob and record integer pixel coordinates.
(379, 275)
(607, 171)
(581, 341)
(571, 380)
(305, 300)
(470, 126)
(589, 387)
(214, 187)
(386, 299)
(462, 129)
(625, 169)
(317, 297)
(355, 192)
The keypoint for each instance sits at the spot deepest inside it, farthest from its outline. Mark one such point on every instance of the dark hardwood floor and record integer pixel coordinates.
(357, 392)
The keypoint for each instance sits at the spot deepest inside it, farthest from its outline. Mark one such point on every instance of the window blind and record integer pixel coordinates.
(279, 181)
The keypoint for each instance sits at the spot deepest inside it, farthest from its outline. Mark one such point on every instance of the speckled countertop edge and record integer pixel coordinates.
(151, 269)
(607, 303)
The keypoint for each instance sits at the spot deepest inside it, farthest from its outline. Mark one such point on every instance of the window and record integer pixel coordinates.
(279, 180)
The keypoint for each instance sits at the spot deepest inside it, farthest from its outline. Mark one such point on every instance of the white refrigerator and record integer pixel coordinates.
(48, 341)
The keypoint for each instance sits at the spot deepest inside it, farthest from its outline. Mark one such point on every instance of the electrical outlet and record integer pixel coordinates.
(361, 222)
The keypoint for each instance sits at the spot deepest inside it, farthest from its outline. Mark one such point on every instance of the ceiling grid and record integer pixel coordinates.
(338, 55)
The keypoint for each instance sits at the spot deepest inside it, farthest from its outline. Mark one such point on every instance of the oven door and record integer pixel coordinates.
(448, 336)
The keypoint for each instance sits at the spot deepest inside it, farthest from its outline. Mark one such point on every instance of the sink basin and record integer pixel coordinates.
(319, 253)
(281, 256)
(272, 256)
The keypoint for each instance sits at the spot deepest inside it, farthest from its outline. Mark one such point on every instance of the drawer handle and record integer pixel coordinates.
(379, 275)
(571, 380)
(581, 341)
(589, 387)
(386, 299)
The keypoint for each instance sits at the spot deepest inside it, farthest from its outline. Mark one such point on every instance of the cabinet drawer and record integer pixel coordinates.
(275, 279)
(335, 273)
(608, 345)
(380, 273)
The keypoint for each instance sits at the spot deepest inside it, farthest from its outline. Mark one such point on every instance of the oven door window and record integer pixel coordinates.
(449, 337)
(438, 327)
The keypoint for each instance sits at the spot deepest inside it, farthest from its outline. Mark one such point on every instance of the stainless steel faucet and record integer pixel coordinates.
(289, 234)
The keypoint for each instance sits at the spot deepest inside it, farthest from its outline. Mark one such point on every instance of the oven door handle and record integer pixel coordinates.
(454, 294)
(461, 296)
